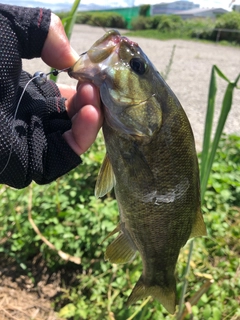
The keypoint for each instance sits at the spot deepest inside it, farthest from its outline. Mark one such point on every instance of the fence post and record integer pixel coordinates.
(218, 35)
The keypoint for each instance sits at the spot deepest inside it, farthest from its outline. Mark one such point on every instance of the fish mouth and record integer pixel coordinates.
(110, 42)
(104, 53)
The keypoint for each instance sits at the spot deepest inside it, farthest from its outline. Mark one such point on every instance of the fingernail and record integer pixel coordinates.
(74, 54)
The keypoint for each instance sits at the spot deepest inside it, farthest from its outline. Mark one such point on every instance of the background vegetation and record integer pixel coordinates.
(168, 26)
(100, 19)
(164, 26)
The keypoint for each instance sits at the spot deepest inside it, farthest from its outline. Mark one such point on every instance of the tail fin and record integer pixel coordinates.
(166, 296)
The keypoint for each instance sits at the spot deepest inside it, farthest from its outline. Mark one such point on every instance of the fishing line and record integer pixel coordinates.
(39, 78)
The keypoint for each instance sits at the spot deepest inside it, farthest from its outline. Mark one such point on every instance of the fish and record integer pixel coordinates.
(150, 162)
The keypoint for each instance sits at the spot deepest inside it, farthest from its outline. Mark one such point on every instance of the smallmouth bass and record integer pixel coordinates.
(151, 163)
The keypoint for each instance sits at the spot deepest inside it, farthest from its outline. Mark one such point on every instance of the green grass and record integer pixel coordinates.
(155, 34)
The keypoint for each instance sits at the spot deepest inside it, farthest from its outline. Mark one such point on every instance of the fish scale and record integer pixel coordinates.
(150, 162)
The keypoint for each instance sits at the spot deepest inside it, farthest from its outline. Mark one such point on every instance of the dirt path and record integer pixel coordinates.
(189, 76)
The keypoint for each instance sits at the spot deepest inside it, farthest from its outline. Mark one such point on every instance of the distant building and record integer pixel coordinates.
(172, 7)
(201, 13)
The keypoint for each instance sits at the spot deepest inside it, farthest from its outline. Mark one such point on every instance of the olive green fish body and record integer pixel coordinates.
(151, 163)
(156, 183)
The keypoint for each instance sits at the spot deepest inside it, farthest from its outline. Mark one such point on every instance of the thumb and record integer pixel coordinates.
(57, 52)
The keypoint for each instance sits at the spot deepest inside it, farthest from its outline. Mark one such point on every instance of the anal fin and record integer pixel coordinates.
(121, 250)
(199, 227)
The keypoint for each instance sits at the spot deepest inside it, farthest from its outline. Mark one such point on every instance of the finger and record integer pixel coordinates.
(57, 51)
(66, 91)
(85, 111)
(85, 126)
(87, 94)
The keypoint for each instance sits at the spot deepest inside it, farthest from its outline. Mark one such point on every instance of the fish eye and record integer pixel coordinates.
(137, 66)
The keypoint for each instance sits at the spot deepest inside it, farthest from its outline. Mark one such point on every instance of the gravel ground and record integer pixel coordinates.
(189, 76)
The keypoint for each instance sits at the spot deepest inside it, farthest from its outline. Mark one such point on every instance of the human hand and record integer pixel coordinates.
(83, 107)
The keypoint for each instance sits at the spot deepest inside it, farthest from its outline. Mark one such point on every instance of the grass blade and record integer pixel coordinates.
(185, 283)
(69, 21)
(210, 154)
(221, 75)
(209, 120)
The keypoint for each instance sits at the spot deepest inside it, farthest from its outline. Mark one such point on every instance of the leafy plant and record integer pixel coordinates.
(199, 28)
(162, 23)
(102, 19)
(140, 23)
(229, 20)
(169, 23)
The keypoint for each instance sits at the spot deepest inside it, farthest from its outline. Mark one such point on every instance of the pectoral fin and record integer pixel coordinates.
(106, 178)
(121, 250)
(198, 228)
